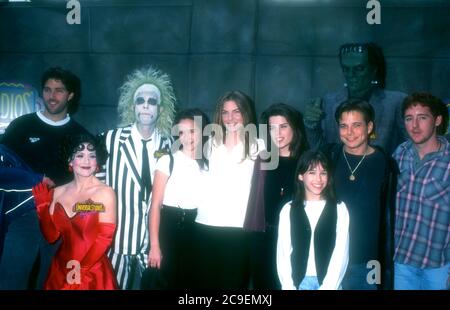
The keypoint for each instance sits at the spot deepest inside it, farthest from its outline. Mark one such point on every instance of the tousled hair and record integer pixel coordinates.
(70, 81)
(436, 106)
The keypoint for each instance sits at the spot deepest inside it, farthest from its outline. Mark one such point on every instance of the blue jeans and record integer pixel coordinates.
(309, 283)
(356, 278)
(24, 247)
(407, 277)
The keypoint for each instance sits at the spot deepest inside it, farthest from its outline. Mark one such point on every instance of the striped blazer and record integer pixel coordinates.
(123, 173)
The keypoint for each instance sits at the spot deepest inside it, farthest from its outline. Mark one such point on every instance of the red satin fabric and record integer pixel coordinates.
(79, 234)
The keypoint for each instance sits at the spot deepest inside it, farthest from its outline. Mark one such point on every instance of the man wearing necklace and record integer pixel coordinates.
(422, 234)
(365, 181)
(364, 69)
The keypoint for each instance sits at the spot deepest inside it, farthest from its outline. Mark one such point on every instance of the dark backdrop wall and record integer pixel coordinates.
(275, 50)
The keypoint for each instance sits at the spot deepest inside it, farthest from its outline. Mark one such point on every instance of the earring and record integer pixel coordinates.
(70, 168)
(97, 169)
(374, 82)
(345, 85)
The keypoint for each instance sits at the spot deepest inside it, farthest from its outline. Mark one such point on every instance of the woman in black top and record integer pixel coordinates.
(272, 186)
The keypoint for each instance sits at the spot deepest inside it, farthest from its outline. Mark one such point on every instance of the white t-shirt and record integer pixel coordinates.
(228, 186)
(339, 258)
(184, 187)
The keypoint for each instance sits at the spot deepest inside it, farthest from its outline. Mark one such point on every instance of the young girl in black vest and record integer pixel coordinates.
(312, 249)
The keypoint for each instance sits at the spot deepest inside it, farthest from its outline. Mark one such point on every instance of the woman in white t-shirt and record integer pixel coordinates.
(312, 248)
(177, 188)
(232, 150)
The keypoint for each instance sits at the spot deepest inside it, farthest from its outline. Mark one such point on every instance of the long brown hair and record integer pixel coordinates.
(247, 108)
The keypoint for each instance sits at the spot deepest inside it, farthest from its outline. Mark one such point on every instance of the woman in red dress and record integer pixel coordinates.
(83, 214)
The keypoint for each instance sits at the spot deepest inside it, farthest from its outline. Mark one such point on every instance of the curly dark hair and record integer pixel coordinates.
(435, 104)
(72, 144)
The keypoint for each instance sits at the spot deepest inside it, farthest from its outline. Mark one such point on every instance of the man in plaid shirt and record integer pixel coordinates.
(422, 225)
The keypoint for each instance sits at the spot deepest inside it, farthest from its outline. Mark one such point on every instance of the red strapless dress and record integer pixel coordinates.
(84, 242)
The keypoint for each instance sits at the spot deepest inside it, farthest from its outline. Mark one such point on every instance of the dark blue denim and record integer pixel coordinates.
(24, 254)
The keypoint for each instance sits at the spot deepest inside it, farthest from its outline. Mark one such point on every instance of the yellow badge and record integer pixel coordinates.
(88, 206)
(158, 154)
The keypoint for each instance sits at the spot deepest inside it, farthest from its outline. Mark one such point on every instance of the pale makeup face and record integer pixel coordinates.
(315, 179)
(421, 124)
(354, 132)
(146, 105)
(56, 99)
(281, 133)
(190, 135)
(84, 162)
(232, 116)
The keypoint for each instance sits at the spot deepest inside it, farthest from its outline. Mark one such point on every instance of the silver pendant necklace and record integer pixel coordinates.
(352, 171)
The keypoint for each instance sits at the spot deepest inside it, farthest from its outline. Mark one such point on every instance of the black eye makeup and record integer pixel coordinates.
(141, 100)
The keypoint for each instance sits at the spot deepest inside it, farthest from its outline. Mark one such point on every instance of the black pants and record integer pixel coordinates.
(222, 257)
(263, 259)
(175, 233)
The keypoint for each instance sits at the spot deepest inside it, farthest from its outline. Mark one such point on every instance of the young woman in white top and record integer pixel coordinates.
(177, 186)
(233, 148)
(312, 249)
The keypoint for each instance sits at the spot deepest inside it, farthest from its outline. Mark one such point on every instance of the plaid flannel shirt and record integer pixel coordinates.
(422, 224)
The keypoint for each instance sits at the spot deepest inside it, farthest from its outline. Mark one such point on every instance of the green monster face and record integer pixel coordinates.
(358, 73)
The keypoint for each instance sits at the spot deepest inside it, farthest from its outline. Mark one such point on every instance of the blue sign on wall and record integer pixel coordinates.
(16, 99)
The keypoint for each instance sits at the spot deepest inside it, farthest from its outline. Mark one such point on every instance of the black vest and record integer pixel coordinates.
(324, 241)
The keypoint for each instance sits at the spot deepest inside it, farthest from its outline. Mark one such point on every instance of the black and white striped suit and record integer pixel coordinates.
(123, 173)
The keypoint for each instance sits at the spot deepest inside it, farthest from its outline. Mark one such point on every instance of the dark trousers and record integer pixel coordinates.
(263, 259)
(26, 256)
(222, 257)
(176, 240)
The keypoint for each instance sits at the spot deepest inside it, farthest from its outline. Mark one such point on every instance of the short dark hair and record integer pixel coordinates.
(70, 81)
(374, 54)
(436, 106)
(358, 105)
(70, 145)
(299, 143)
